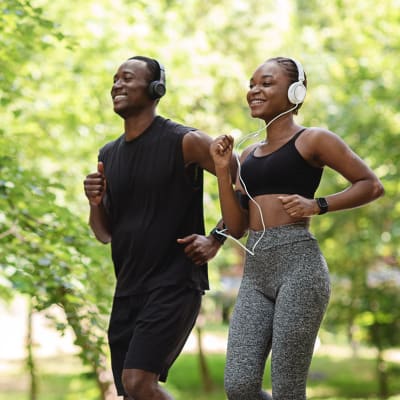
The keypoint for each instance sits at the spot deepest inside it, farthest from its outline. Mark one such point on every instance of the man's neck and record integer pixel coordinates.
(136, 125)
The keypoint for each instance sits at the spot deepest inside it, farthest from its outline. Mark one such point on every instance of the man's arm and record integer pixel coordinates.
(196, 150)
(98, 221)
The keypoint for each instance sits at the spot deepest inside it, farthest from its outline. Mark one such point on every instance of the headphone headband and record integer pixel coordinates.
(300, 70)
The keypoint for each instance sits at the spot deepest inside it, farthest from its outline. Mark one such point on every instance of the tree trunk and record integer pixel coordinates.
(204, 370)
(382, 376)
(92, 355)
(30, 360)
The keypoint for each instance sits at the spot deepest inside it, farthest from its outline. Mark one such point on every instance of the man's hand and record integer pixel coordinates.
(95, 186)
(199, 248)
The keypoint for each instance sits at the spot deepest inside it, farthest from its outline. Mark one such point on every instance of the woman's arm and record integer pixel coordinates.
(233, 215)
(322, 148)
(332, 151)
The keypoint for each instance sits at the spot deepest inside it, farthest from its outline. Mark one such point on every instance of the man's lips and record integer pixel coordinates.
(119, 97)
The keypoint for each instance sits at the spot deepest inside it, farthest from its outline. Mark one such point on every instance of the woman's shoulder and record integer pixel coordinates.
(318, 143)
(316, 131)
(248, 150)
(318, 135)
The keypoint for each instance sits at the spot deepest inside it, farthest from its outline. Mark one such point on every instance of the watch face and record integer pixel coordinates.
(322, 204)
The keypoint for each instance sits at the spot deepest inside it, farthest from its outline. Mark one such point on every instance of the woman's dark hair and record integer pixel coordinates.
(290, 67)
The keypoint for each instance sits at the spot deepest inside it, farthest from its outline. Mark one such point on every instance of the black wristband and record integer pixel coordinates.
(243, 199)
(322, 204)
(220, 238)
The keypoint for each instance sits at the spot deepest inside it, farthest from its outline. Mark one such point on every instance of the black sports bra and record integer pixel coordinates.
(282, 172)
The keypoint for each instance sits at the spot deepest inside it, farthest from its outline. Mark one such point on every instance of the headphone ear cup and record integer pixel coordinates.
(156, 90)
(297, 92)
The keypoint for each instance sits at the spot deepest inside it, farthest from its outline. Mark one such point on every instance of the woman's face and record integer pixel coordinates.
(267, 95)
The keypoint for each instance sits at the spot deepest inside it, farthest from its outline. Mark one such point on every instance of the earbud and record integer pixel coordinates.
(297, 91)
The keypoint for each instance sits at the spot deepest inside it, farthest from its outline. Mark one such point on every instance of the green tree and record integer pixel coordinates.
(58, 59)
(46, 252)
(352, 53)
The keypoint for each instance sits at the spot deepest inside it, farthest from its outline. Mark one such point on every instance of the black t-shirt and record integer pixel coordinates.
(153, 200)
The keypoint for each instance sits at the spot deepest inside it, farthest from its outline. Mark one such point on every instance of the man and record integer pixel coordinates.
(146, 198)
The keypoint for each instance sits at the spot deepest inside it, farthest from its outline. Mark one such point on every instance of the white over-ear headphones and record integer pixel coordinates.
(297, 91)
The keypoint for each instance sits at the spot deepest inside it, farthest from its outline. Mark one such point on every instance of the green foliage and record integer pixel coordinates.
(23, 31)
(49, 254)
(381, 316)
(57, 63)
(46, 251)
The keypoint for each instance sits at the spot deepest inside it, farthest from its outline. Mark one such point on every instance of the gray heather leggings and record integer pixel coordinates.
(281, 302)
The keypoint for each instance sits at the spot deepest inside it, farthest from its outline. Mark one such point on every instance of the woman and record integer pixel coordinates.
(285, 287)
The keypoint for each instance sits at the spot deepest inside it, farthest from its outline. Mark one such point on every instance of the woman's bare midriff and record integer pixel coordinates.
(272, 211)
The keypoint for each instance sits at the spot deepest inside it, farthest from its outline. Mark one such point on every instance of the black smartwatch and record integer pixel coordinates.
(322, 204)
(220, 238)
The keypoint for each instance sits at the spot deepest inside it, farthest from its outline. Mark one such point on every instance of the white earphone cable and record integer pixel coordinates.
(248, 136)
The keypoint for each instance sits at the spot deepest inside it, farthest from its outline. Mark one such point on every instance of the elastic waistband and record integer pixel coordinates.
(280, 235)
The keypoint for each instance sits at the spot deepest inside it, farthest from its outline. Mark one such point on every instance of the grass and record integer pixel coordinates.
(334, 375)
(62, 378)
(329, 378)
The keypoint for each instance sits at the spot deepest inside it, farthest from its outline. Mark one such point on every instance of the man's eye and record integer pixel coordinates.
(127, 77)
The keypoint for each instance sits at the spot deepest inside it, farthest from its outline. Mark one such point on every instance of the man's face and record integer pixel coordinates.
(129, 91)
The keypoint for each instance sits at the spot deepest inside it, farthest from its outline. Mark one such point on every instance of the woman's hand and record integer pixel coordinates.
(298, 206)
(221, 151)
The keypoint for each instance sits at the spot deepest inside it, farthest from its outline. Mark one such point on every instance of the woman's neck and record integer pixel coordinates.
(281, 130)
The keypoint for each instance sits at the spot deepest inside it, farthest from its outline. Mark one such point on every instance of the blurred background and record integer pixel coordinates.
(57, 61)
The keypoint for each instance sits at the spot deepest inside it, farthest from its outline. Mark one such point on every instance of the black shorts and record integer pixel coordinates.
(148, 331)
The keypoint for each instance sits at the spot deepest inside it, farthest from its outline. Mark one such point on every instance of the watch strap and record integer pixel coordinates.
(220, 238)
(322, 204)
